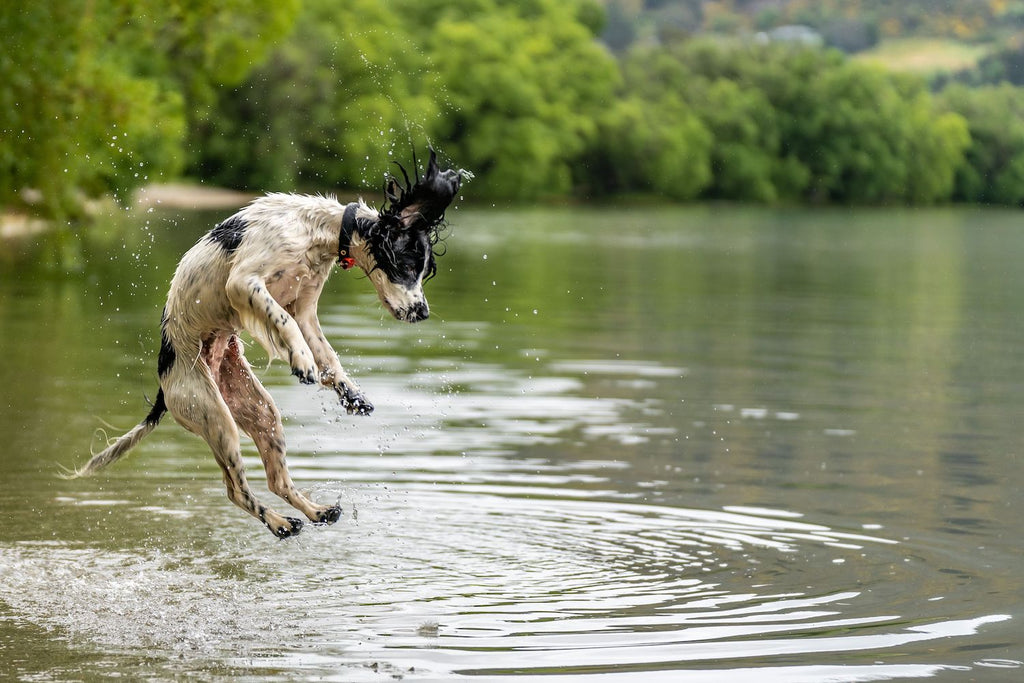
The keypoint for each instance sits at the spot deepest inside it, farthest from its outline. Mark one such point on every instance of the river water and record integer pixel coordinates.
(680, 444)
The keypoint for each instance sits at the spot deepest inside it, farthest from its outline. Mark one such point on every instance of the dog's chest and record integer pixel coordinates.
(293, 283)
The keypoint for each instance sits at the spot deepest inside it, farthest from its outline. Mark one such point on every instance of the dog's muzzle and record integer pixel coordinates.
(415, 313)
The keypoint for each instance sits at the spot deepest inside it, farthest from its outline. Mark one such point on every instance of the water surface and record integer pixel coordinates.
(692, 444)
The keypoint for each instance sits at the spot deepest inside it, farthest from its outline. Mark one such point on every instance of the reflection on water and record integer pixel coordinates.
(748, 454)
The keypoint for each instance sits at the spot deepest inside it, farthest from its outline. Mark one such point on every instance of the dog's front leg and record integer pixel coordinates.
(332, 374)
(268, 322)
(349, 393)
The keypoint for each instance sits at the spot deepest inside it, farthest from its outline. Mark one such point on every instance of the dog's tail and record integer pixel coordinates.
(123, 444)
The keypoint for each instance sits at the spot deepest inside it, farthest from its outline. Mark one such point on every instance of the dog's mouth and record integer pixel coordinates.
(410, 314)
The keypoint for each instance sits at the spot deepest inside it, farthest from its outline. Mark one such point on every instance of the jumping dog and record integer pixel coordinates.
(262, 270)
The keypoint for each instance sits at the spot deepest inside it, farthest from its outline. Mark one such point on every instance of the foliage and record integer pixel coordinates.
(94, 96)
(327, 108)
(992, 170)
(518, 85)
(268, 95)
(522, 95)
(72, 118)
(645, 146)
(789, 123)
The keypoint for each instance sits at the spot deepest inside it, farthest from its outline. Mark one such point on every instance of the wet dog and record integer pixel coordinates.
(262, 271)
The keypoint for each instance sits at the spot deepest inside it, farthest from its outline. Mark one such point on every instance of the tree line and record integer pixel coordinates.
(99, 98)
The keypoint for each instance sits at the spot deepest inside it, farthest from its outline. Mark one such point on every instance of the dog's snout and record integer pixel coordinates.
(419, 311)
(413, 313)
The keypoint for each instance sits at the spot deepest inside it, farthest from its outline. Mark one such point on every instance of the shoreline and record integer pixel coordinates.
(189, 196)
(19, 224)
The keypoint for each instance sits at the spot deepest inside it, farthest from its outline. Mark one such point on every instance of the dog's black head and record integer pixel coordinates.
(402, 241)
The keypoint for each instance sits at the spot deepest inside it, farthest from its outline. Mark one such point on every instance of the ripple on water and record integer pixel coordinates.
(434, 582)
(524, 568)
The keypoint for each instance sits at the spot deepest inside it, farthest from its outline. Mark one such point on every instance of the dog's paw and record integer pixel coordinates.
(289, 527)
(359, 406)
(354, 402)
(305, 376)
(328, 516)
(304, 368)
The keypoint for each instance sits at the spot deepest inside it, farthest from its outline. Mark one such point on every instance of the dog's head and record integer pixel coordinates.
(402, 241)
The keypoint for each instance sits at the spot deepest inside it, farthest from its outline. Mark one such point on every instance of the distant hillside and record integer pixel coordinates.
(929, 57)
(850, 25)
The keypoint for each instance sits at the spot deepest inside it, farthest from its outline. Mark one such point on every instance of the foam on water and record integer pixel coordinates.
(132, 601)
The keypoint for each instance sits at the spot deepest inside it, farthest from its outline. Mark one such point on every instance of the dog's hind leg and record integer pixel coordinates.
(192, 397)
(254, 411)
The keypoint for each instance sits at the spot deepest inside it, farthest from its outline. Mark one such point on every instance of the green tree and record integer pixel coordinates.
(508, 89)
(522, 86)
(74, 119)
(937, 148)
(876, 137)
(801, 123)
(94, 97)
(331, 106)
(742, 96)
(992, 170)
(645, 146)
(747, 143)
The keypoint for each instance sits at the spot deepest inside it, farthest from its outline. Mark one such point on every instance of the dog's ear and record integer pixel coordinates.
(421, 206)
(432, 167)
(393, 191)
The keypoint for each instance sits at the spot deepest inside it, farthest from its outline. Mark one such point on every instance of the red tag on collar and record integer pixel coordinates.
(346, 262)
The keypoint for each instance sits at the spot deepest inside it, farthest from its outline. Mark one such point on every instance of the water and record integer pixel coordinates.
(695, 444)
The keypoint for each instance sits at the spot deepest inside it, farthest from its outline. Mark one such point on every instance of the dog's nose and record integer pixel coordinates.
(419, 311)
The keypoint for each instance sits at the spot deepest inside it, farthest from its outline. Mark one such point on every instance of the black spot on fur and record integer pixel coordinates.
(167, 355)
(228, 234)
(158, 409)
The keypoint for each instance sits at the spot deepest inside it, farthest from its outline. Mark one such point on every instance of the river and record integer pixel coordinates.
(662, 444)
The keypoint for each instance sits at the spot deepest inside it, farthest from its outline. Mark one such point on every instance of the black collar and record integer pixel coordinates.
(348, 225)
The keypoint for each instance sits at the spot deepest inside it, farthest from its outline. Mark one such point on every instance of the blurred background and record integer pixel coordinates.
(771, 101)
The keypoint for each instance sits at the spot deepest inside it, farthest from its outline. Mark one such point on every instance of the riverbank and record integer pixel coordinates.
(18, 225)
(22, 224)
(189, 196)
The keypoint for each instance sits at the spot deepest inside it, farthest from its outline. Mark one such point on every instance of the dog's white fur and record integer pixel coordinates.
(268, 283)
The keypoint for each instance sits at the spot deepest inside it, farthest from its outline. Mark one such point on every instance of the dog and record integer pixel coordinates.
(262, 270)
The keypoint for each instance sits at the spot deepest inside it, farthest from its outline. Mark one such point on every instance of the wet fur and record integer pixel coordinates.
(262, 271)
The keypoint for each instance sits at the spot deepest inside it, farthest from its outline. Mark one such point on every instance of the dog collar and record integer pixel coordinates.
(348, 225)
